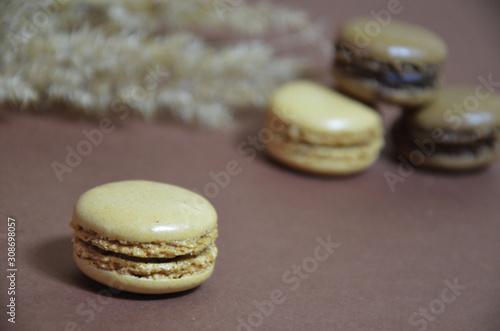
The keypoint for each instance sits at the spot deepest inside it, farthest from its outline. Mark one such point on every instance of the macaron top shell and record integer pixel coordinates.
(459, 109)
(144, 211)
(397, 41)
(316, 108)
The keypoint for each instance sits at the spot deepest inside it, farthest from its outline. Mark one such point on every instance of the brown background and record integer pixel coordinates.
(396, 248)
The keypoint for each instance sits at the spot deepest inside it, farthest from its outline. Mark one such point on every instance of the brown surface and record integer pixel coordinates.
(396, 248)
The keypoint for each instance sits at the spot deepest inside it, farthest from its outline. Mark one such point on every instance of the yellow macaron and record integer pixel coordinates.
(144, 237)
(317, 130)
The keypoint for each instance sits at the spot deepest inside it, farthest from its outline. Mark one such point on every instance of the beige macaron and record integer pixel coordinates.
(144, 237)
(317, 130)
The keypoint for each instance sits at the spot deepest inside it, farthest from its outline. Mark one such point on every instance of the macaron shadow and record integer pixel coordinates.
(54, 258)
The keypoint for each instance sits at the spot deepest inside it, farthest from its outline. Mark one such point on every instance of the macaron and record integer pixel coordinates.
(317, 130)
(460, 130)
(393, 62)
(144, 237)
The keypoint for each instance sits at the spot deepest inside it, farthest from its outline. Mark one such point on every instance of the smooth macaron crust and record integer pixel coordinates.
(317, 130)
(144, 237)
(394, 62)
(459, 130)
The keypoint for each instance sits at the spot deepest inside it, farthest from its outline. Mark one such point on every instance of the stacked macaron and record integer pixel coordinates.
(321, 131)
(144, 237)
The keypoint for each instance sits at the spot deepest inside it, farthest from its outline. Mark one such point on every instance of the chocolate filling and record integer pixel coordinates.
(408, 74)
(451, 137)
(391, 79)
(474, 148)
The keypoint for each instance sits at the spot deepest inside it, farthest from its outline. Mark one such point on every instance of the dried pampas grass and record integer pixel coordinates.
(98, 55)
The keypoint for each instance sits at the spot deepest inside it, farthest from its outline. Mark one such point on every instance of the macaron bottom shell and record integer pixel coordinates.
(325, 160)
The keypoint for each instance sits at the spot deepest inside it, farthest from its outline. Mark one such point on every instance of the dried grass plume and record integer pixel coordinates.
(151, 56)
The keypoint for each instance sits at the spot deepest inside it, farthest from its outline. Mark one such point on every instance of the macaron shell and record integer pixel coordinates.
(315, 108)
(297, 133)
(460, 162)
(326, 160)
(459, 109)
(452, 162)
(394, 42)
(143, 285)
(143, 211)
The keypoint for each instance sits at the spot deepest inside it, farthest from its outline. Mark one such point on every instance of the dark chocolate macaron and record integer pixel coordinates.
(391, 61)
(459, 130)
